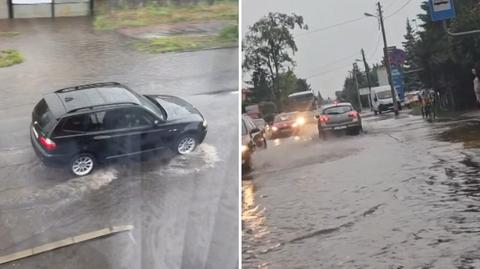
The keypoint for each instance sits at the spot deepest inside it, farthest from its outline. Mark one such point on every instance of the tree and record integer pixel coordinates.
(446, 61)
(302, 85)
(269, 44)
(410, 67)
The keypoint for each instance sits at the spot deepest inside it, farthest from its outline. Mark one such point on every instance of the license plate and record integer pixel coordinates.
(340, 128)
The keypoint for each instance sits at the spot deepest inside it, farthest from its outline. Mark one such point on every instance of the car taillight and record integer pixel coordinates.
(324, 118)
(353, 114)
(47, 143)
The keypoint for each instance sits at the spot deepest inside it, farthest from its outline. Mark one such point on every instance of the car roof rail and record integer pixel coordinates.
(101, 105)
(87, 86)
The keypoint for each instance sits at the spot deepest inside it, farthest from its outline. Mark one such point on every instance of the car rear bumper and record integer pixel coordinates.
(340, 127)
(47, 158)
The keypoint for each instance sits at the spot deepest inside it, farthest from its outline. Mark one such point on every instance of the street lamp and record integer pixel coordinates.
(385, 53)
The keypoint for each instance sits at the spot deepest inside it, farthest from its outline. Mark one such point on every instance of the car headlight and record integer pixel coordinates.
(245, 148)
(274, 129)
(300, 121)
(205, 124)
(295, 125)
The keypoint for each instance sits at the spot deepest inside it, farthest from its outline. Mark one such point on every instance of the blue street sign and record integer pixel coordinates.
(442, 10)
(398, 82)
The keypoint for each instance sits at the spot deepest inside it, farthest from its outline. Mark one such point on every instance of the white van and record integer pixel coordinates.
(382, 99)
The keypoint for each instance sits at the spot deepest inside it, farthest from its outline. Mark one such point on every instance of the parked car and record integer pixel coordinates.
(84, 125)
(412, 98)
(287, 124)
(339, 117)
(250, 134)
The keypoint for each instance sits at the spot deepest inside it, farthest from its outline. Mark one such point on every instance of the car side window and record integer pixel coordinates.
(123, 118)
(79, 123)
(137, 117)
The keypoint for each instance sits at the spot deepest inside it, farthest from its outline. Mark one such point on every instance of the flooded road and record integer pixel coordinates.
(184, 208)
(406, 194)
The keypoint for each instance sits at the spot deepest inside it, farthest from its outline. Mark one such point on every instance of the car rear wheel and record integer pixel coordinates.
(82, 164)
(186, 144)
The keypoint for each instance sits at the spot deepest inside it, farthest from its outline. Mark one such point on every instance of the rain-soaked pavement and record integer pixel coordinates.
(406, 194)
(184, 209)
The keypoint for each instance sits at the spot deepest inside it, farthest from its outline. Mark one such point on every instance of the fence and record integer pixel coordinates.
(44, 8)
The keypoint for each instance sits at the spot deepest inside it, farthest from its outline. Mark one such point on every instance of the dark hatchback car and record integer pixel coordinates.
(84, 125)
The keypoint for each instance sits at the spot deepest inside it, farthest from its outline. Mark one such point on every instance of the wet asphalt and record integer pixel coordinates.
(405, 194)
(184, 209)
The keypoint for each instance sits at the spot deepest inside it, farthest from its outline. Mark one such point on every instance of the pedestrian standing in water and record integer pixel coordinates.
(476, 84)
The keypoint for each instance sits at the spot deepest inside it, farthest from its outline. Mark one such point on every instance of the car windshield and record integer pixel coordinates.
(154, 106)
(384, 95)
(259, 123)
(337, 110)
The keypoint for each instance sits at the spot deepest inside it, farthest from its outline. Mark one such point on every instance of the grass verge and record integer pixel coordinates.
(9, 34)
(166, 14)
(227, 37)
(9, 57)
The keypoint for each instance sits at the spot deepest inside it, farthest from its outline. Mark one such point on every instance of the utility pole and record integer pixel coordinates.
(355, 68)
(387, 59)
(367, 73)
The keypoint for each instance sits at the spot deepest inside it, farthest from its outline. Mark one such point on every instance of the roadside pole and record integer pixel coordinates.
(355, 69)
(387, 59)
(367, 73)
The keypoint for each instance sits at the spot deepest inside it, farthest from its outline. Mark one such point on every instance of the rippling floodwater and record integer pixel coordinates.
(404, 195)
(184, 208)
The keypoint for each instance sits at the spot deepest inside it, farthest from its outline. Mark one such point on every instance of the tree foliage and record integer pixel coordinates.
(268, 48)
(446, 61)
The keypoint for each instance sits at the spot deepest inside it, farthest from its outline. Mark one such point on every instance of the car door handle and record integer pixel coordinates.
(100, 137)
(172, 130)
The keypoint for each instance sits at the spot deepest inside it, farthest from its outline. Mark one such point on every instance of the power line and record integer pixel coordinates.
(398, 10)
(326, 72)
(332, 26)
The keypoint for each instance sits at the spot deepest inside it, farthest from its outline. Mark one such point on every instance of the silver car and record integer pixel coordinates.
(339, 117)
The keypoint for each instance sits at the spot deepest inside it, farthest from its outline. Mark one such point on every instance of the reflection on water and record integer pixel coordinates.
(254, 228)
(417, 183)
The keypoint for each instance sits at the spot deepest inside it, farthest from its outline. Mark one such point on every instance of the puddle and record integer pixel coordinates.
(468, 134)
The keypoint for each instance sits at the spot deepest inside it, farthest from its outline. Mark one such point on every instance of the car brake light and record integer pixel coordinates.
(47, 143)
(324, 118)
(353, 114)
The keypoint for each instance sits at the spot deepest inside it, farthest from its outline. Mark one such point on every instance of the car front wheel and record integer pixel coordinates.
(82, 164)
(186, 144)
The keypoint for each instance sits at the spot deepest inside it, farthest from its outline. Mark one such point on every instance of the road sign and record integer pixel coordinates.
(398, 81)
(442, 10)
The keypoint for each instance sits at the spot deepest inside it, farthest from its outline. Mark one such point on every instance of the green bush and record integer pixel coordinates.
(9, 57)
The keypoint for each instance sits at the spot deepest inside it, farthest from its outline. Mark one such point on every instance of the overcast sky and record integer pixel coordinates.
(324, 57)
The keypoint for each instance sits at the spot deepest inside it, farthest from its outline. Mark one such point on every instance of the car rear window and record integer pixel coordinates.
(337, 110)
(43, 117)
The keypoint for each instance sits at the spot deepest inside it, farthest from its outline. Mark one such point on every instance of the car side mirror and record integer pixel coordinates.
(375, 99)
